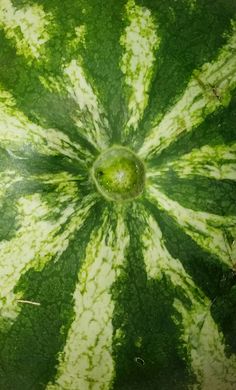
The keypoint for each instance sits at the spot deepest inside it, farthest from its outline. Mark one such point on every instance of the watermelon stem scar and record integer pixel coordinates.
(119, 174)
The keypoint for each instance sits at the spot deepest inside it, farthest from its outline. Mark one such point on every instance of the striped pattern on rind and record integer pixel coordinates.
(203, 340)
(102, 295)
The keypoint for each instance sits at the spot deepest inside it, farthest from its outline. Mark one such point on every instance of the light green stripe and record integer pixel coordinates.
(27, 27)
(90, 120)
(208, 230)
(207, 90)
(38, 240)
(17, 132)
(86, 362)
(216, 162)
(203, 340)
(62, 178)
(55, 83)
(139, 42)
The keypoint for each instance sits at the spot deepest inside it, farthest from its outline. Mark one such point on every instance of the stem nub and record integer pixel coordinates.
(119, 174)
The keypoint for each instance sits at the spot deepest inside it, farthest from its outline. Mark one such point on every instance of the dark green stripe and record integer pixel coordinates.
(102, 55)
(49, 194)
(65, 19)
(35, 163)
(217, 129)
(29, 164)
(27, 187)
(8, 221)
(188, 40)
(223, 310)
(201, 193)
(41, 106)
(216, 280)
(144, 308)
(28, 352)
(9, 224)
(104, 24)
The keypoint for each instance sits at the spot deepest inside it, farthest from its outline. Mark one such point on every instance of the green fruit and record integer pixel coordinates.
(117, 195)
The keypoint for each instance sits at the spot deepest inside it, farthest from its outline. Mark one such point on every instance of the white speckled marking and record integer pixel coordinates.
(216, 162)
(199, 100)
(18, 133)
(90, 118)
(139, 42)
(206, 229)
(26, 26)
(86, 362)
(200, 334)
(36, 241)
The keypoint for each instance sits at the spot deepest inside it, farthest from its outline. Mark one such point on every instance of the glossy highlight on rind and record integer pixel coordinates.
(117, 195)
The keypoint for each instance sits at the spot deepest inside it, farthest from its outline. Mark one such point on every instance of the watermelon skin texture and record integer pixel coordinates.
(98, 294)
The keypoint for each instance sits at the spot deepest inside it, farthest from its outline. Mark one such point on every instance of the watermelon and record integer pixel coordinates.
(117, 195)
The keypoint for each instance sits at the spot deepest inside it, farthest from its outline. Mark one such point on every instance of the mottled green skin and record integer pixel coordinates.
(143, 307)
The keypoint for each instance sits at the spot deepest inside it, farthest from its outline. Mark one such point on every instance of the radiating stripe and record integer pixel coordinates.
(139, 42)
(208, 230)
(90, 120)
(54, 83)
(18, 133)
(86, 362)
(7, 178)
(207, 90)
(39, 239)
(62, 180)
(201, 337)
(27, 27)
(216, 162)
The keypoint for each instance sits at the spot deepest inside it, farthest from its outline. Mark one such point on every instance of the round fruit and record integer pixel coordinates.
(117, 195)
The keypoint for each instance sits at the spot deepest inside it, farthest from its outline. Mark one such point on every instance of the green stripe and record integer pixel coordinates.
(30, 358)
(199, 193)
(101, 56)
(211, 132)
(84, 96)
(205, 228)
(66, 33)
(182, 30)
(146, 339)
(90, 120)
(23, 81)
(217, 162)
(86, 361)
(26, 27)
(25, 168)
(207, 90)
(197, 262)
(34, 164)
(139, 42)
(200, 335)
(19, 133)
(85, 114)
(37, 241)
